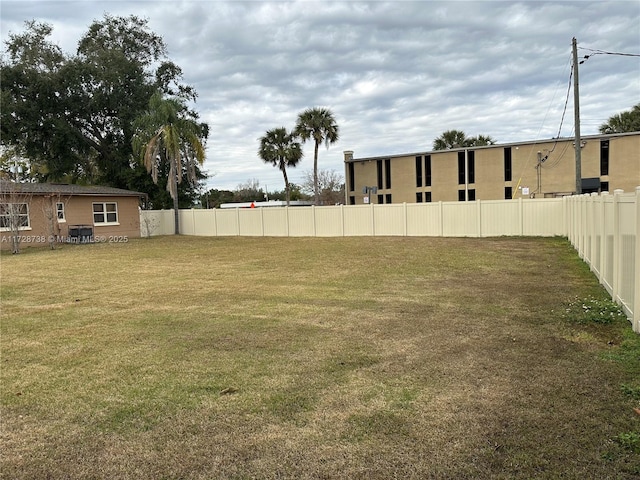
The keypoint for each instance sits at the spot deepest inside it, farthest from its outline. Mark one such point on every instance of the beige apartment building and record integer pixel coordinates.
(535, 169)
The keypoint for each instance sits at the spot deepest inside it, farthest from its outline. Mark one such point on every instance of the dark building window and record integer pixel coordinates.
(352, 200)
(507, 164)
(419, 171)
(419, 197)
(508, 193)
(472, 194)
(461, 175)
(380, 199)
(471, 165)
(388, 198)
(604, 186)
(461, 196)
(427, 196)
(387, 173)
(427, 170)
(352, 181)
(604, 157)
(379, 167)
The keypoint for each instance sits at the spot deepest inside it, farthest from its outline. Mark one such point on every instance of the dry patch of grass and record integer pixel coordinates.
(312, 358)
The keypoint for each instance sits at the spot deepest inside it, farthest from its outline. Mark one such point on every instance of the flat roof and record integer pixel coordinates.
(495, 145)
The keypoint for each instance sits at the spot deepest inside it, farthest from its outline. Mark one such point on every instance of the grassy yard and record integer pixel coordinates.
(349, 358)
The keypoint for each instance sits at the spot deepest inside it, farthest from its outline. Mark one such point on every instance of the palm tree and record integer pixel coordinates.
(168, 132)
(450, 139)
(628, 121)
(319, 124)
(280, 148)
(479, 141)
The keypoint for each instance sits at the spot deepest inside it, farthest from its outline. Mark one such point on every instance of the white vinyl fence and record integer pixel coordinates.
(603, 229)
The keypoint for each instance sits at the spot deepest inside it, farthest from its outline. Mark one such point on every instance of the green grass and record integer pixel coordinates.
(186, 357)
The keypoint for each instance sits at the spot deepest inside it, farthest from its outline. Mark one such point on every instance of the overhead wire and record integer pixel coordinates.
(527, 162)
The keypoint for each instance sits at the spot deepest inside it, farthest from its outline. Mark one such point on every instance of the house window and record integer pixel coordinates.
(388, 198)
(14, 216)
(427, 170)
(508, 193)
(461, 196)
(427, 197)
(352, 200)
(472, 194)
(380, 199)
(604, 186)
(419, 197)
(379, 168)
(60, 211)
(507, 164)
(387, 172)
(419, 171)
(471, 164)
(105, 213)
(604, 157)
(461, 175)
(352, 181)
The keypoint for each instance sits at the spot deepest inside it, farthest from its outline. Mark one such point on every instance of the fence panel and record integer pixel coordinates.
(358, 220)
(389, 220)
(424, 219)
(329, 221)
(276, 222)
(302, 221)
(605, 230)
(227, 222)
(250, 222)
(540, 217)
(501, 218)
(459, 219)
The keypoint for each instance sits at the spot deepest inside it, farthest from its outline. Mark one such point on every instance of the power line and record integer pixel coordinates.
(603, 52)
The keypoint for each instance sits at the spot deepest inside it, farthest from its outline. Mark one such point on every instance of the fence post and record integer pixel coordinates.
(603, 237)
(287, 219)
(479, 217)
(373, 220)
(441, 213)
(615, 288)
(404, 209)
(521, 216)
(636, 292)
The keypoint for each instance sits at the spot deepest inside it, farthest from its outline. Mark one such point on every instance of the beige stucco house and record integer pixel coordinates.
(41, 213)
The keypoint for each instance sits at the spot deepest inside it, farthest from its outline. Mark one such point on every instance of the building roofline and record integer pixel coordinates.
(65, 189)
(496, 145)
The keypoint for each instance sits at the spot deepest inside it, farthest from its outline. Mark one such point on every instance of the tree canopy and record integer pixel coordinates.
(330, 186)
(320, 125)
(280, 148)
(166, 135)
(458, 139)
(72, 115)
(627, 121)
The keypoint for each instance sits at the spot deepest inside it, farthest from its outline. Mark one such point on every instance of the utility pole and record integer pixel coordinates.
(576, 118)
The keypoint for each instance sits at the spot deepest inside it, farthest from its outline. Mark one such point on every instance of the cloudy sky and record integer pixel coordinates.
(395, 74)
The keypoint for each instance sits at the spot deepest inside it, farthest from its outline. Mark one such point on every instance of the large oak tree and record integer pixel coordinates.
(72, 115)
